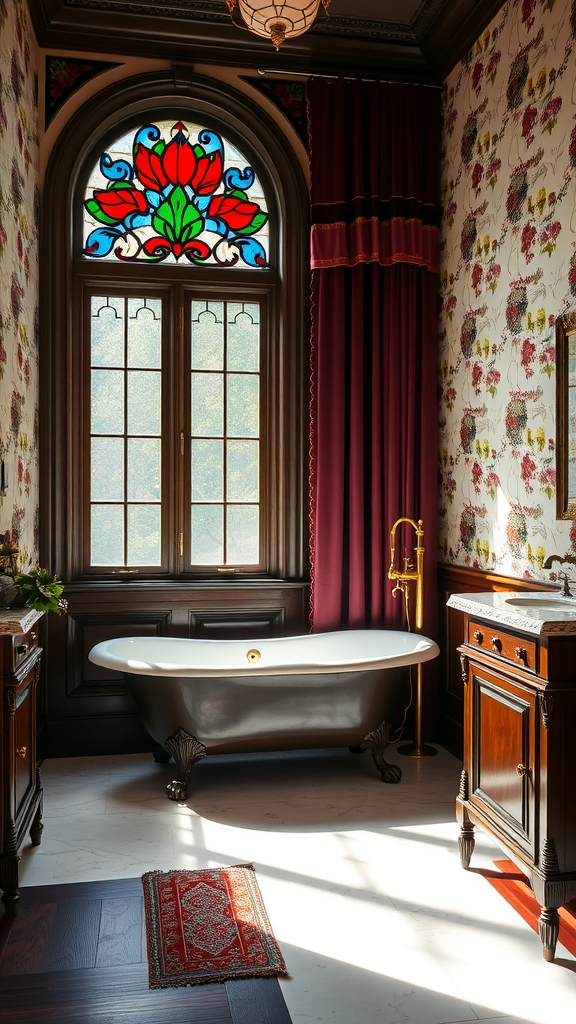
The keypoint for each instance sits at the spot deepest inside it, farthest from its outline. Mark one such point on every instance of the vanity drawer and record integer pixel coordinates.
(518, 650)
(18, 647)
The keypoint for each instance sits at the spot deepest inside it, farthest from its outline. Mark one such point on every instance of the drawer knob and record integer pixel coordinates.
(521, 654)
(478, 636)
(522, 770)
(496, 643)
(22, 648)
(21, 751)
(33, 637)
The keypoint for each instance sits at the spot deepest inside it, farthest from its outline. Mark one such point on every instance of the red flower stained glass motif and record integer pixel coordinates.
(177, 198)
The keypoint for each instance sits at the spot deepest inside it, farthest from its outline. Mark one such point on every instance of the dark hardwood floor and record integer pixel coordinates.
(76, 954)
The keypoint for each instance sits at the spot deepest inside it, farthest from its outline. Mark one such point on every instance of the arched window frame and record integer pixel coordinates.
(284, 289)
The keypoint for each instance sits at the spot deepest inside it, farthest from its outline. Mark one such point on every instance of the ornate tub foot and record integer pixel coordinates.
(376, 742)
(186, 750)
(548, 927)
(160, 754)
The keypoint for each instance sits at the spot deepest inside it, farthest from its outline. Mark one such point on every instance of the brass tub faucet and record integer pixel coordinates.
(412, 573)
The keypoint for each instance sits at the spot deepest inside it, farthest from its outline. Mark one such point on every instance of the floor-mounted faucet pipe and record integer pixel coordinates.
(403, 577)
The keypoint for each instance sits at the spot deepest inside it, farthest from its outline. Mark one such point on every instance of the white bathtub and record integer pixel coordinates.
(198, 697)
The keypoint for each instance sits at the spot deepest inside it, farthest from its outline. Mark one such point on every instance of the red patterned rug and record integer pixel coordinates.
(513, 886)
(208, 925)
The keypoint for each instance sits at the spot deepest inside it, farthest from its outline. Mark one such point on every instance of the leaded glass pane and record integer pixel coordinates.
(207, 404)
(207, 470)
(243, 405)
(225, 404)
(107, 535)
(144, 333)
(106, 331)
(243, 336)
(143, 535)
(107, 469)
(207, 335)
(125, 461)
(107, 402)
(175, 192)
(143, 478)
(242, 534)
(207, 535)
(242, 470)
(144, 401)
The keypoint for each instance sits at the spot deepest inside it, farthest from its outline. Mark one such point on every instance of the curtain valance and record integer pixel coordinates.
(375, 168)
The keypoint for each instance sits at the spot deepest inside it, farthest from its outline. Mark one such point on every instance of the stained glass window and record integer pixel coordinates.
(175, 193)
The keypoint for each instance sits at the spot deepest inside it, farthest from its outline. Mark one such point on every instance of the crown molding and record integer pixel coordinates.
(424, 49)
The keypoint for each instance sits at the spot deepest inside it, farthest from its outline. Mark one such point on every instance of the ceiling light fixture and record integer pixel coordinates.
(276, 20)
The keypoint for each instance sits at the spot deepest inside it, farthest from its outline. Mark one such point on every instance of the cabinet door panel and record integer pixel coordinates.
(23, 769)
(502, 772)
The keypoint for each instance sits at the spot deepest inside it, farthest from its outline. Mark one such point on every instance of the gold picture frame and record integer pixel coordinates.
(566, 416)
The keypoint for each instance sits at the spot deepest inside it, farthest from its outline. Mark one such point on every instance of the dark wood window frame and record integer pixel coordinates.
(284, 291)
(177, 298)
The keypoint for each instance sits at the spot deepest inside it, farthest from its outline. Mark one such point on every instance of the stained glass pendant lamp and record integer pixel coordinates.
(277, 20)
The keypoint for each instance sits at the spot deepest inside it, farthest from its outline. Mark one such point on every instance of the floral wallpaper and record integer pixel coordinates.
(19, 205)
(508, 269)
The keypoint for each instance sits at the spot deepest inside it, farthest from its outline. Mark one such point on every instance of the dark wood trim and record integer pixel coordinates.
(482, 581)
(423, 50)
(457, 579)
(565, 502)
(454, 32)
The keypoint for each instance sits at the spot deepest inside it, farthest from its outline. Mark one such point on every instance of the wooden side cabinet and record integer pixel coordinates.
(20, 786)
(519, 776)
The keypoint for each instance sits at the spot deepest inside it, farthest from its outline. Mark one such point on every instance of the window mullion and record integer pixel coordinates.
(225, 436)
(125, 517)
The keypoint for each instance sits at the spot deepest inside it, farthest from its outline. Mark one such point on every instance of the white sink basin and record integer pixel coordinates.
(548, 603)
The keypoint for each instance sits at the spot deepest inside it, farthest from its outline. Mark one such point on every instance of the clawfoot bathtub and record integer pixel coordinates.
(199, 697)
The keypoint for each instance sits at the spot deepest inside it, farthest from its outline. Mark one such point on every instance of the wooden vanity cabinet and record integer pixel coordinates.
(519, 776)
(20, 787)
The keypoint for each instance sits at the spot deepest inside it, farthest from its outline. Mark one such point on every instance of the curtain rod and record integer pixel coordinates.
(346, 78)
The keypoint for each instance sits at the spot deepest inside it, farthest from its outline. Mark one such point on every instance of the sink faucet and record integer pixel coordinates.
(559, 558)
(566, 592)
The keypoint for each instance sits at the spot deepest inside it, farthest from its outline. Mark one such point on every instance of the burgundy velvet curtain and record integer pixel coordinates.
(375, 214)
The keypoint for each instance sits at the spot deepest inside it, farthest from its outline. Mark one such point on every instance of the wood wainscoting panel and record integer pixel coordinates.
(89, 710)
(457, 579)
(255, 623)
(84, 679)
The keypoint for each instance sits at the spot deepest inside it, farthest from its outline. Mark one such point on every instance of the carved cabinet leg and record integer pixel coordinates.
(9, 880)
(376, 742)
(549, 926)
(36, 828)
(186, 750)
(466, 842)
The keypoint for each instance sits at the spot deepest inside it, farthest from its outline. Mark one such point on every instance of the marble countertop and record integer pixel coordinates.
(540, 612)
(18, 620)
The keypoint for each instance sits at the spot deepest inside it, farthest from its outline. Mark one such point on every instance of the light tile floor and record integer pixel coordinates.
(362, 881)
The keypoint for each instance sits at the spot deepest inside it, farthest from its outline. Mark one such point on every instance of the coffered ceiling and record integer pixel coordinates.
(418, 40)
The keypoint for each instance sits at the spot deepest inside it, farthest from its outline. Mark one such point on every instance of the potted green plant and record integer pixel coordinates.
(41, 590)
